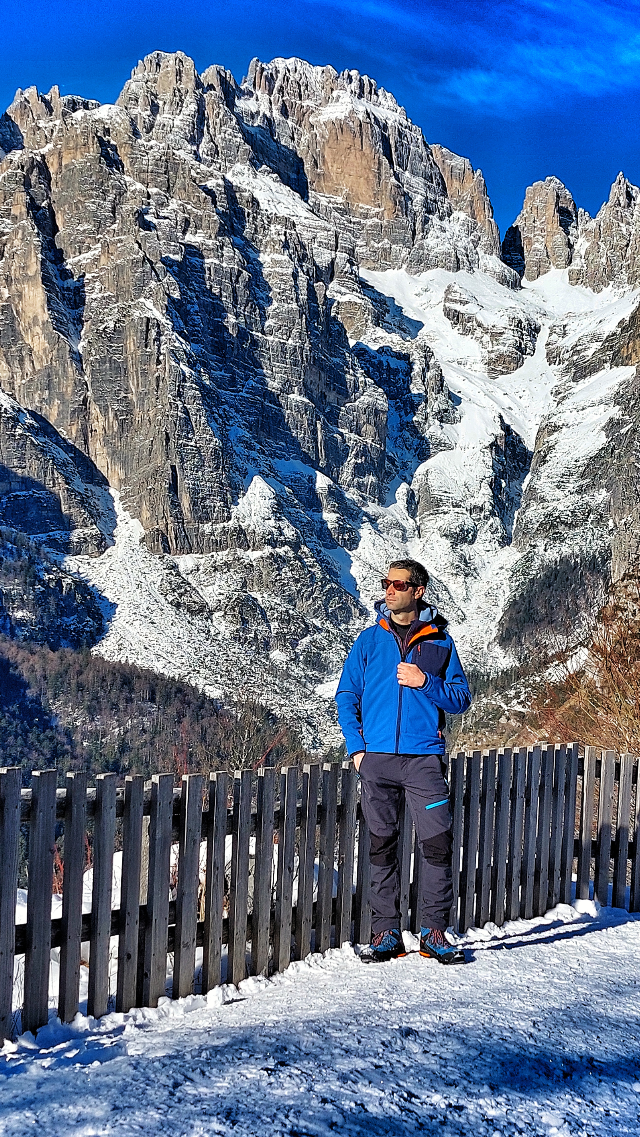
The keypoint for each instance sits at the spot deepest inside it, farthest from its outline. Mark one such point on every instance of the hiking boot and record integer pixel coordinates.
(435, 945)
(384, 946)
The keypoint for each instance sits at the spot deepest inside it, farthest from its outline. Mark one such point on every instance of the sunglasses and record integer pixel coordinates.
(397, 585)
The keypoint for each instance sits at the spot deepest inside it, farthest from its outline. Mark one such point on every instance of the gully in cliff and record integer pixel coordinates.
(400, 678)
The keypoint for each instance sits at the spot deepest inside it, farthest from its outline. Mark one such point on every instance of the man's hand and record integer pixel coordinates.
(410, 676)
(357, 759)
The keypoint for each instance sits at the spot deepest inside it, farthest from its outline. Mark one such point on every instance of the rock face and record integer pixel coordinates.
(609, 247)
(545, 231)
(467, 192)
(550, 232)
(256, 340)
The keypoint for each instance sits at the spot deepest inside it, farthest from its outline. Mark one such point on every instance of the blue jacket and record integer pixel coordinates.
(376, 713)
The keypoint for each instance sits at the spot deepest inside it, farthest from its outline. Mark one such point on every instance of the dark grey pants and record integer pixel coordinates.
(386, 780)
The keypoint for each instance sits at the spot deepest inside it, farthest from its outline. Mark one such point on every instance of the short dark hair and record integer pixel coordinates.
(419, 575)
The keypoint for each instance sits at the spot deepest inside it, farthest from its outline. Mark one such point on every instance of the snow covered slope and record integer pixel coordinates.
(537, 1034)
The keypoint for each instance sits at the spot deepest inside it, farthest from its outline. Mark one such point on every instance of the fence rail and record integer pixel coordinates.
(532, 827)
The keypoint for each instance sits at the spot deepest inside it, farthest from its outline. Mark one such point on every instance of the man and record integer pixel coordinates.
(400, 678)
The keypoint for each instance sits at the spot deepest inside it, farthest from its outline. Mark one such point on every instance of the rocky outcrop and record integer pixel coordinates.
(544, 233)
(467, 191)
(609, 248)
(506, 337)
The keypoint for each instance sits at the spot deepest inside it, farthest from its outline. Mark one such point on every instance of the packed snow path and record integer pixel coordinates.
(538, 1034)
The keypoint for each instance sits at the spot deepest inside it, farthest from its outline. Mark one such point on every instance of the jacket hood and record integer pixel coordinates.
(427, 614)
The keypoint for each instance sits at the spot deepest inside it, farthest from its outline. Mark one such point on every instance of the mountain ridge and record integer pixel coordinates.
(256, 340)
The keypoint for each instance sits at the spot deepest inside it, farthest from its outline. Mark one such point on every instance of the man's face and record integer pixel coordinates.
(400, 602)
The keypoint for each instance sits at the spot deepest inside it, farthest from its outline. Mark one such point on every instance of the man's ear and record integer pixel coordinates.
(419, 592)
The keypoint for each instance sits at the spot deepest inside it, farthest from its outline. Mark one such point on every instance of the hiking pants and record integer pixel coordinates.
(386, 780)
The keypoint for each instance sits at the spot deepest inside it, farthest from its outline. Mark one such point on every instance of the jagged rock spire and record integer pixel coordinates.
(543, 234)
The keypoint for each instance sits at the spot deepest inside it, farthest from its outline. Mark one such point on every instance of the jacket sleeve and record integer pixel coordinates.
(349, 697)
(452, 693)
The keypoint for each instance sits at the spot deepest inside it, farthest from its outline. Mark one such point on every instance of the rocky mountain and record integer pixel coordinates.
(257, 339)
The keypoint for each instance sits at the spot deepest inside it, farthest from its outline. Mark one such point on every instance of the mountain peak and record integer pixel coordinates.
(543, 234)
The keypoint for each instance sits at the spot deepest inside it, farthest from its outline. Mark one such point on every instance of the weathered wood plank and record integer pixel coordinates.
(156, 932)
(605, 827)
(74, 854)
(346, 855)
(487, 832)
(330, 771)
(456, 785)
(471, 838)
(306, 859)
(214, 883)
(130, 893)
(239, 882)
(532, 794)
(104, 828)
(586, 823)
(38, 933)
(543, 837)
(263, 872)
(501, 841)
(622, 832)
(10, 783)
(188, 885)
(362, 913)
(569, 824)
(634, 897)
(557, 824)
(516, 833)
(286, 860)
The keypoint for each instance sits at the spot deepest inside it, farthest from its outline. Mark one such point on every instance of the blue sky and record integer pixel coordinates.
(524, 88)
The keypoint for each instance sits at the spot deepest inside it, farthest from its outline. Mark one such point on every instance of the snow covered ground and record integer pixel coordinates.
(538, 1034)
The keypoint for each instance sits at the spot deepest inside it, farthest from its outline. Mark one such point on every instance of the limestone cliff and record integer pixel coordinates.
(256, 340)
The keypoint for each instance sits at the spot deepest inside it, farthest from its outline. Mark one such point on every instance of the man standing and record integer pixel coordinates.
(399, 679)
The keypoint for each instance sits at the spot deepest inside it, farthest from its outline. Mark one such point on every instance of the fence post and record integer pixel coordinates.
(307, 859)
(130, 893)
(622, 832)
(346, 854)
(487, 832)
(586, 822)
(156, 932)
(263, 872)
(184, 960)
(569, 828)
(239, 883)
(214, 884)
(501, 843)
(286, 858)
(541, 885)
(104, 828)
(41, 849)
(74, 852)
(327, 855)
(516, 833)
(557, 825)
(10, 783)
(530, 831)
(634, 897)
(471, 836)
(605, 825)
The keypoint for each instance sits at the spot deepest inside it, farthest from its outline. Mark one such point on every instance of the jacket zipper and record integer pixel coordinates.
(402, 660)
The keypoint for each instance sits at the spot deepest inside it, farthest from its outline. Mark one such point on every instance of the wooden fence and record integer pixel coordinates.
(527, 823)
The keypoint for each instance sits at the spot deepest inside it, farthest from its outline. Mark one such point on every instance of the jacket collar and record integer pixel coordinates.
(429, 622)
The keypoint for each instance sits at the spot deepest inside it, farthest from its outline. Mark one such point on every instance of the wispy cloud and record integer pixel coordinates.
(507, 57)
